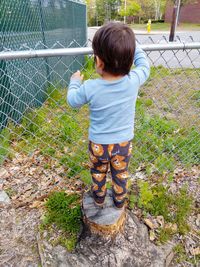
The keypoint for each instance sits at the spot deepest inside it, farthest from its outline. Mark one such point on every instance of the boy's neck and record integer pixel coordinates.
(109, 77)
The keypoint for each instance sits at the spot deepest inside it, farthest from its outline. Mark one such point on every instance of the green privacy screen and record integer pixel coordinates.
(36, 24)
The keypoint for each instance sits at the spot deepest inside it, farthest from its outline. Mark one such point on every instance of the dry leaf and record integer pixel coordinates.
(36, 204)
(150, 223)
(195, 251)
(66, 149)
(160, 220)
(4, 173)
(152, 235)
(171, 226)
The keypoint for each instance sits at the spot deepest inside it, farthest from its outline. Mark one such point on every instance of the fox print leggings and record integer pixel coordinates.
(116, 156)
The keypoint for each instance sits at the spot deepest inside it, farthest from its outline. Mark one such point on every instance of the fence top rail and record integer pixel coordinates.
(57, 52)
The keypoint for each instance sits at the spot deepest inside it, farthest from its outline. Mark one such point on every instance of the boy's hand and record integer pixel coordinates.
(78, 76)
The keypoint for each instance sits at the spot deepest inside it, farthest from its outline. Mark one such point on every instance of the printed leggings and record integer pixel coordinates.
(117, 156)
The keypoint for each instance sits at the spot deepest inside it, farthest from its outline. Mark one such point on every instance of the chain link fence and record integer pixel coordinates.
(37, 24)
(49, 139)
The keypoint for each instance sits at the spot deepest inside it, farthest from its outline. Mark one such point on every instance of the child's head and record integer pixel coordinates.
(114, 44)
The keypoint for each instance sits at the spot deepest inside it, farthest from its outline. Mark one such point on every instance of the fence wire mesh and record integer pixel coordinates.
(26, 24)
(48, 140)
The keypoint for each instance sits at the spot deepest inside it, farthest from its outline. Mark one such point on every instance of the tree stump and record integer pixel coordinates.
(106, 221)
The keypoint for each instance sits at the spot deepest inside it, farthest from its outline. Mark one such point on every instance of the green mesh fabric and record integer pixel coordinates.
(36, 24)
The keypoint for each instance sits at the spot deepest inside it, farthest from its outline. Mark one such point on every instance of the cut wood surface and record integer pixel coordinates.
(104, 221)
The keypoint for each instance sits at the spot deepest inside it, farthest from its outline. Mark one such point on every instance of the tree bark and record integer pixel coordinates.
(106, 221)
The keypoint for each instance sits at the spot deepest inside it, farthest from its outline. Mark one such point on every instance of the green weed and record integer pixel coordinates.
(132, 201)
(164, 235)
(55, 96)
(164, 163)
(10, 191)
(181, 255)
(64, 211)
(4, 144)
(146, 195)
(157, 200)
(74, 161)
(196, 97)
(89, 68)
(86, 177)
(109, 185)
(182, 204)
(69, 242)
(160, 143)
(187, 146)
(160, 71)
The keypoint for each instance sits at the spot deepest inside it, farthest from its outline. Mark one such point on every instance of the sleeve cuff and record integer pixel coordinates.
(75, 81)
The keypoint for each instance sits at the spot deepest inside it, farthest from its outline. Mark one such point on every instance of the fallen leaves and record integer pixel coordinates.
(152, 224)
(31, 178)
(36, 204)
(171, 226)
(4, 174)
(195, 251)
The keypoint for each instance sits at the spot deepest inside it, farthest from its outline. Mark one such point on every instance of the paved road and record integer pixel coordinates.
(176, 59)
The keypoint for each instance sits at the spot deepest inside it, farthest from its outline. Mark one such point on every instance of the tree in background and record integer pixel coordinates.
(91, 12)
(147, 10)
(100, 11)
(107, 10)
(132, 8)
(159, 8)
(151, 9)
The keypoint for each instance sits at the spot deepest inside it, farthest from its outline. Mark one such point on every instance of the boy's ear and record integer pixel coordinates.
(99, 63)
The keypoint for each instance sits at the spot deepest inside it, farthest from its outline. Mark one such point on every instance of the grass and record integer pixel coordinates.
(157, 200)
(167, 26)
(4, 144)
(64, 211)
(157, 144)
(181, 256)
(161, 142)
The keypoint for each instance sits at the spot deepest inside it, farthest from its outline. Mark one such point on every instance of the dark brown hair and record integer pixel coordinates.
(114, 44)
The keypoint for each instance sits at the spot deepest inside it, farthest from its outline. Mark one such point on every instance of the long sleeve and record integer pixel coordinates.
(76, 95)
(142, 67)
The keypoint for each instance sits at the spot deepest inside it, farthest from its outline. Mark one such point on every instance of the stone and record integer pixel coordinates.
(104, 221)
(131, 247)
(4, 198)
(169, 259)
(198, 220)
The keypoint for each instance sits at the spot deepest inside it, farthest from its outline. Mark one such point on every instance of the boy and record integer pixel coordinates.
(111, 101)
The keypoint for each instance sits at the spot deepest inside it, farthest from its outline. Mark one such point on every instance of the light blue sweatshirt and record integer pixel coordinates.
(111, 103)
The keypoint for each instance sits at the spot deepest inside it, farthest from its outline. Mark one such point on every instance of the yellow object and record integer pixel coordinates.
(149, 26)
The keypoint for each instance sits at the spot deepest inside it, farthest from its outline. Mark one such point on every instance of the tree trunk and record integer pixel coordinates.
(106, 221)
